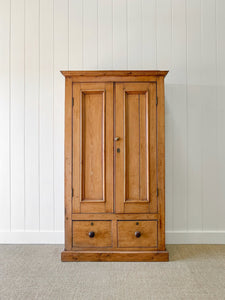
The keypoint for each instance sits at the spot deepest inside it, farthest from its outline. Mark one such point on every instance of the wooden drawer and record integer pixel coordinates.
(92, 234)
(138, 233)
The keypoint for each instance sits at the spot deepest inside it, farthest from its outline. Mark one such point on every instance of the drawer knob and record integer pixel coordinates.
(91, 234)
(137, 234)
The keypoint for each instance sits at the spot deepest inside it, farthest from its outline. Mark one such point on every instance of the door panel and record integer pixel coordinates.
(136, 177)
(136, 136)
(93, 147)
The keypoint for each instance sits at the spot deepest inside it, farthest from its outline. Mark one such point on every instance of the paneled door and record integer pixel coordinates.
(135, 148)
(92, 148)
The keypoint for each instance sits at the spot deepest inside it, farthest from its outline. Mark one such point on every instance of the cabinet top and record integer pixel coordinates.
(116, 73)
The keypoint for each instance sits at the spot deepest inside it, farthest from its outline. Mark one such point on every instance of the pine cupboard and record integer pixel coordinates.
(114, 166)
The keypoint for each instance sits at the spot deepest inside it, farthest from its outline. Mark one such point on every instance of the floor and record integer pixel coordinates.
(36, 272)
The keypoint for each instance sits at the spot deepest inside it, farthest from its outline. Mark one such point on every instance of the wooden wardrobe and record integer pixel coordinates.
(114, 166)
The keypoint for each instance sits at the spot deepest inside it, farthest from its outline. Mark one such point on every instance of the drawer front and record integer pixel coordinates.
(92, 234)
(138, 233)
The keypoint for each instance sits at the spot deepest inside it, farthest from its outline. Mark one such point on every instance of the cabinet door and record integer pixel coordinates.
(93, 147)
(135, 148)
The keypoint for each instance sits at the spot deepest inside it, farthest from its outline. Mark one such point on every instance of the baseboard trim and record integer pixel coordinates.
(57, 237)
(195, 237)
(32, 237)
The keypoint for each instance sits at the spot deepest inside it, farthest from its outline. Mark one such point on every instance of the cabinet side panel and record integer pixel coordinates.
(161, 162)
(153, 150)
(68, 164)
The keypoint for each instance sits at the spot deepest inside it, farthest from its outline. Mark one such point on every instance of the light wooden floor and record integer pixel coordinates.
(36, 272)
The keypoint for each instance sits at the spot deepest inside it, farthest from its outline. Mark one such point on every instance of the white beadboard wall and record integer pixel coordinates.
(38, 38)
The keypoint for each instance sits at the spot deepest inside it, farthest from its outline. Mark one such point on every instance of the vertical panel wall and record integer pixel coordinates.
(46, 167)
(31, 134)
(5, 117)
(38, 38)
(17, 114)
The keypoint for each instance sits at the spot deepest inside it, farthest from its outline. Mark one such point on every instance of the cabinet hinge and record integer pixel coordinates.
(72, 192)
(72, 101)
(156, 100)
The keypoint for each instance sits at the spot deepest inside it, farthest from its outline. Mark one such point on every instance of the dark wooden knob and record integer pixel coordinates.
(137, 234)
(91, 234)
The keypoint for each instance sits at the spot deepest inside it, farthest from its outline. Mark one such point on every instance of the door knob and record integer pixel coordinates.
(91, 234)
(116, 138)
(137, 234)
